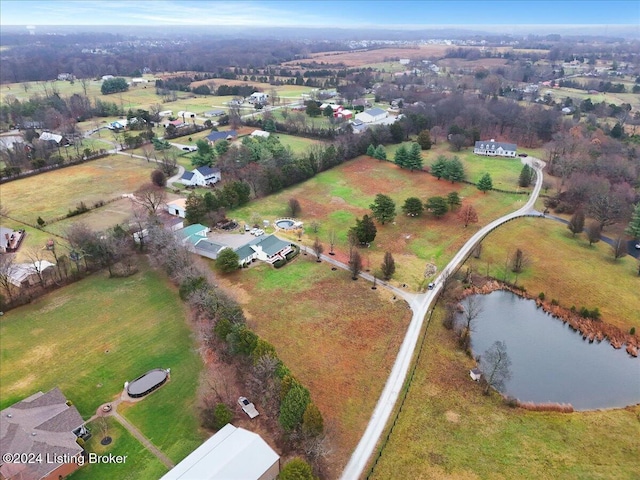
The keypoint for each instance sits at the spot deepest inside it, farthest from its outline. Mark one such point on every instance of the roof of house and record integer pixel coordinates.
(214, 112)
(40, 424)
(48, 136)
(260, 133)
(245, 251)
(195, 229)
(215, 136)
(272, 245)
(187, 176)
(374, 112)
(208, 245)
(232, 453)
(493, 145)
(178, 202)
(207, 171)
(21, 271)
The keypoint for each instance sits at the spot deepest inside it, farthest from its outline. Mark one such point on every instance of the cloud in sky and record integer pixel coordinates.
(493, 14)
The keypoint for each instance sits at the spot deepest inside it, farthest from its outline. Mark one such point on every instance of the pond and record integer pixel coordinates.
(550, 362)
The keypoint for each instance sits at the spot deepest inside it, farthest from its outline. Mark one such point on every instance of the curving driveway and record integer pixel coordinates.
(420, 305)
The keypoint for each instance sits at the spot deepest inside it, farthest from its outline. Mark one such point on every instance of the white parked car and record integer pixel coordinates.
(259, 232)
(253, 231)
(248, 407)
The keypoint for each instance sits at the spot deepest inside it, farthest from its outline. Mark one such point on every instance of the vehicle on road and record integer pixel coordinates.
(248, 407)
(431, 285)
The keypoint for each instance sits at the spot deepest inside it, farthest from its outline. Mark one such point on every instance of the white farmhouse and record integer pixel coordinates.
(201, 176)
(495, 149)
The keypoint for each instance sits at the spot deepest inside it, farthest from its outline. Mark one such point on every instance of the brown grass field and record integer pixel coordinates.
(337, 336)
(449, 430)
(337, 197)
(52, 194)
(567, 269)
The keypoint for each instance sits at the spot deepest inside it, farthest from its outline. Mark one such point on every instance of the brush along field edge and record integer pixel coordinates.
(420, 305)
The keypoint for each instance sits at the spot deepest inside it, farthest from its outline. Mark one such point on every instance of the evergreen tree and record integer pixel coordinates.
(526, 176)
(454, 171)
(227, 261)
(397, 132)
(453, 200)
(413, 207)
(485, 183)
(195, 208)
(401, 158)
(415, 157)
(296, 469)
(383, 208)
(312, 422)
(437, 206)
(365, 230)
(380, 153)
(439, 168)
(633, 228)
(424, 140)
(371, 150)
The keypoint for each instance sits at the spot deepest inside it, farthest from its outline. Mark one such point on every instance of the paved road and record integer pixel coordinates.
(420, 304)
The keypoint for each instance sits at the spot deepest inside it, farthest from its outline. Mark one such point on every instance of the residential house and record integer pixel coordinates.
(495, 149)
(41, 426)
(28, 274)
(139, 81)
(177, 207)
(107, 77)
(213, 137)
(358, 126)
(258, 98)
(183, 114)
(260, 134)
(214, 113)
(10, 239)
(201, 176)
(193, 233)
(118, 124)
(60, 140)
(268, 249)
(372, 115)
(232, 453)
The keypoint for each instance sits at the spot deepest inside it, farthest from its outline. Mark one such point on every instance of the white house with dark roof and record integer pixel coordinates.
(233, 453)
(201, 176)
(372, 115)
(43, 426)
(492, 148)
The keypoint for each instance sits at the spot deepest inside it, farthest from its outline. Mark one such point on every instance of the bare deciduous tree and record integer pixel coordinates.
(151, 197)
(355, 264)
(318, 249)
(593, 230)
(7, 269)
(495, 364)
(293, 207)
(332, 241)
(472, 308)
(619, 248)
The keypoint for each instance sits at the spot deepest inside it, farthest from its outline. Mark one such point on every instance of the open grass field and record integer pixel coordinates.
(504, 172)
(54, 193)
(567, 269)
(92, 336)
(100, 219)
(337, 197)
(448, 429)
(298, 145)
(140, 463)
(337, 336)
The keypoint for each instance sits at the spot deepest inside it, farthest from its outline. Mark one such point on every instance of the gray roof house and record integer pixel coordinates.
(201, 176)
(213, 137)
(44, 426)
(495, 149)
(372, 115)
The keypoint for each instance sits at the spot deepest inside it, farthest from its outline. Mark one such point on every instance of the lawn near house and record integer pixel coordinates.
(565, 268)
(98, 333)
(54, 193)
(337, 197)
(337, 336)
(448, 429)
(140, 464)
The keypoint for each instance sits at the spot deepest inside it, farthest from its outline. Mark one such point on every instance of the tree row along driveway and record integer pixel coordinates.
(420, 305)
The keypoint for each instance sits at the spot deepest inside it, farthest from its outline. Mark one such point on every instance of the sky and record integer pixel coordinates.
(317, 13)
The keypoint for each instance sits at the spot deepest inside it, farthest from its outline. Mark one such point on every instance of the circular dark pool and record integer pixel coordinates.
(147, 383)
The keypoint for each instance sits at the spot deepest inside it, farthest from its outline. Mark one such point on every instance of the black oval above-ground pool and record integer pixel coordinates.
(147, 383)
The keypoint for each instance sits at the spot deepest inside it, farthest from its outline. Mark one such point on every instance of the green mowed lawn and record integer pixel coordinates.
(90, 337)
(299, 145)
(566, 268)
(337, 197)
(54, 193)
(449, 429)
(140, 464)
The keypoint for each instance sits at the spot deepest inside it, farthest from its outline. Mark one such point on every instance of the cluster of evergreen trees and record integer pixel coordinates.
(448, 168)
(410, 158)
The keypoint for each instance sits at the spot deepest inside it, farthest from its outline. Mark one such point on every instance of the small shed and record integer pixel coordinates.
(475, 374)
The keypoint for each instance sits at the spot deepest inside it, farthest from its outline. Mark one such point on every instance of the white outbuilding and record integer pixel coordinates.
(232, 453)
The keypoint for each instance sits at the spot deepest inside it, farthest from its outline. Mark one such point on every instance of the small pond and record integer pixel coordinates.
(550, 362)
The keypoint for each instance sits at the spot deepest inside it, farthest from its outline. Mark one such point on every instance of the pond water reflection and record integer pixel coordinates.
(550, 361)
